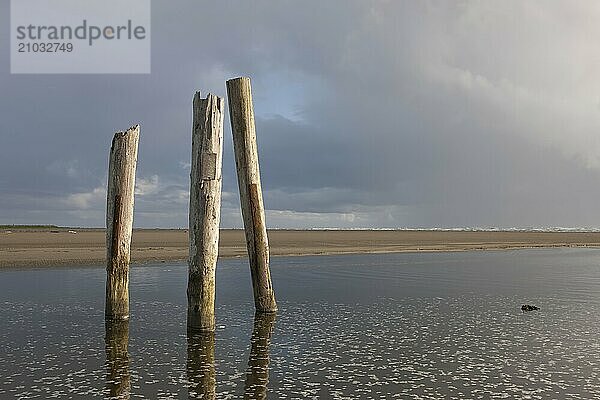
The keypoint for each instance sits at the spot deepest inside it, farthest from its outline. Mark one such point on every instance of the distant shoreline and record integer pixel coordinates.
(54, 247)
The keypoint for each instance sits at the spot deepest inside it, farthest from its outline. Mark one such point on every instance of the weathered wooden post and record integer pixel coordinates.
(119, 221)
(241, 113)
(205, 210)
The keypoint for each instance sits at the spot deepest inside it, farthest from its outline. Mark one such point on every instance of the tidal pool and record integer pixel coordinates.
(413, 325)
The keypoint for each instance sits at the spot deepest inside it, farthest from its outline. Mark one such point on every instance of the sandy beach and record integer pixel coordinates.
(59, 247)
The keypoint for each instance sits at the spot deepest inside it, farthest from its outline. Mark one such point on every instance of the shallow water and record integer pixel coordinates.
(419, 325)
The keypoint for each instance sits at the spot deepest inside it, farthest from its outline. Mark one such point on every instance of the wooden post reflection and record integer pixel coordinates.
(201, 365)
(257, 375)
(118, 381)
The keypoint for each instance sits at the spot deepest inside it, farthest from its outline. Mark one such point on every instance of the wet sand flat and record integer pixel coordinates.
(43, 247)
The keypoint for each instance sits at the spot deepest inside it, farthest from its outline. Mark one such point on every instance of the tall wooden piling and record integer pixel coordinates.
(119, 221)
(205, 210)
(241, 113)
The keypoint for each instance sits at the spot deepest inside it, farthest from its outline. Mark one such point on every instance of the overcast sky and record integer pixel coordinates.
(369, 114)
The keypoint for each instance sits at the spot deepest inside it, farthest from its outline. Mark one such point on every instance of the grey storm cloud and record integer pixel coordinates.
(369, 114)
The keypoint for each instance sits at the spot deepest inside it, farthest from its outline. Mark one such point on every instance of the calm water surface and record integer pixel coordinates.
(438, 325)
